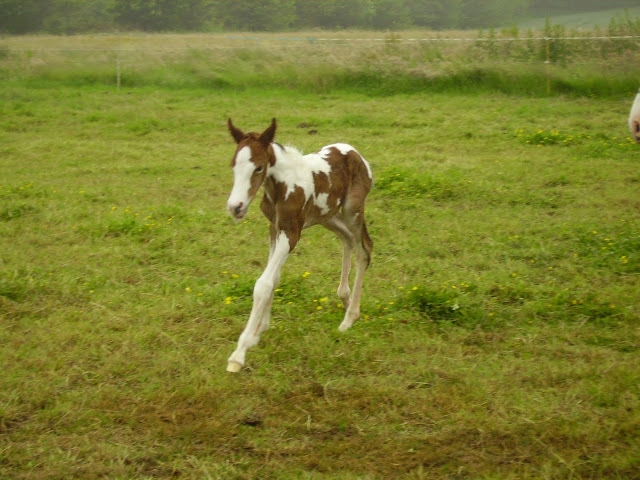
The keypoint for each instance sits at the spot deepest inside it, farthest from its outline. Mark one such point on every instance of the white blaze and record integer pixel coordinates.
(242, 171)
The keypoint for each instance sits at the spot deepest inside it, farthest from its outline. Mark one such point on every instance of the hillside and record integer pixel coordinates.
(584, 20)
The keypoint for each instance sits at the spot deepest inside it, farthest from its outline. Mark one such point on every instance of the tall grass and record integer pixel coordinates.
(526, 65)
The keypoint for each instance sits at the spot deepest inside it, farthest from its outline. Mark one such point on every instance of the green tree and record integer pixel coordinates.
(446, 13)
(315, 14)
(335, 13)
(141, 14)
(158, 15)
(23, 16)
(391, 14)
(354, 13)
(423, 13)
(551, 7)
(77, 16)
(256, 15)
(487, 13)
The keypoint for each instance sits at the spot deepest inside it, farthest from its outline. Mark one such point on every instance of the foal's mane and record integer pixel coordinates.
(289, 151)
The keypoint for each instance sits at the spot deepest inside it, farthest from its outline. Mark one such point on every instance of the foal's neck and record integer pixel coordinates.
(286, 157)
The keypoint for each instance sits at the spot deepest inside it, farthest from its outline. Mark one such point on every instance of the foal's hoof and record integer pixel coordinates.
(346, 325)
(234, 367)
(349, 320)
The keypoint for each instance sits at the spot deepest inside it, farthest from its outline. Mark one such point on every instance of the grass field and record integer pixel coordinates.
(500, 331)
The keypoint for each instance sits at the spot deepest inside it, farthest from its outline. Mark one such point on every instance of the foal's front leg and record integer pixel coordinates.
(262, 300)
(266, 319)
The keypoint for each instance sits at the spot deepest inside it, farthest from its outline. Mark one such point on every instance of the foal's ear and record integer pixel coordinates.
(267, 136)
(237, 134)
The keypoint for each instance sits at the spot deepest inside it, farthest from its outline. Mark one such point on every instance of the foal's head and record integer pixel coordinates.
(250, 163)
(634, 119)
(635, 129)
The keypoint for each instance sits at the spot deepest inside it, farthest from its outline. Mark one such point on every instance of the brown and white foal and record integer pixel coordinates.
(327, 188)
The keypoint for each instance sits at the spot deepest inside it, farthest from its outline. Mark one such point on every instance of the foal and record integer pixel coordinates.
(634, 119)
(327, 188)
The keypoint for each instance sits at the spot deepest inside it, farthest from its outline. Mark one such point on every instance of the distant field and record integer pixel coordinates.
(512, 61)
(583, 21)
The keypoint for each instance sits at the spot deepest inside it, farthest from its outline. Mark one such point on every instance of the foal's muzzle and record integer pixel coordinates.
(238, 210)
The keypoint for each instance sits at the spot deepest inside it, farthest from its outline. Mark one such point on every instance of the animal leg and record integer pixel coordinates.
(363, 256)
(273, 235)
(340, 229)
(262, 300)
(266, 319)
(344, 292)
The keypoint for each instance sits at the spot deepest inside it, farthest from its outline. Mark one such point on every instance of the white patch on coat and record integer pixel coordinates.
(242, 172)
(345, 148)
(296, 170)
(321, 202)
(635, 113)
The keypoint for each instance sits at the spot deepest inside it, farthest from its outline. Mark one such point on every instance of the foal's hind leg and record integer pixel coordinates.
(363, 256)
(339, 228)
(344, 292)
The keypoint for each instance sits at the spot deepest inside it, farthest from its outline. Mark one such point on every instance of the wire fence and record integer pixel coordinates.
(236, 41)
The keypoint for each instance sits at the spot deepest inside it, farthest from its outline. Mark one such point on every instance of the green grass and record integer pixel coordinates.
(500, 331)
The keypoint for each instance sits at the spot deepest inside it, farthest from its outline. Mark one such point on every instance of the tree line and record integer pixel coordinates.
(83, 16)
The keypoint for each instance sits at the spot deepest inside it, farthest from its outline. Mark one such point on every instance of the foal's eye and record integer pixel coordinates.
(258, 170)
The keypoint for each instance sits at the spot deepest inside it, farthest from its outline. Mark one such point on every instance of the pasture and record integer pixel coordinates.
(499, 336)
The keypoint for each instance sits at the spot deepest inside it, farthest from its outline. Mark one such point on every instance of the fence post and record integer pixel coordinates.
(548, 64)
(118, 69)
